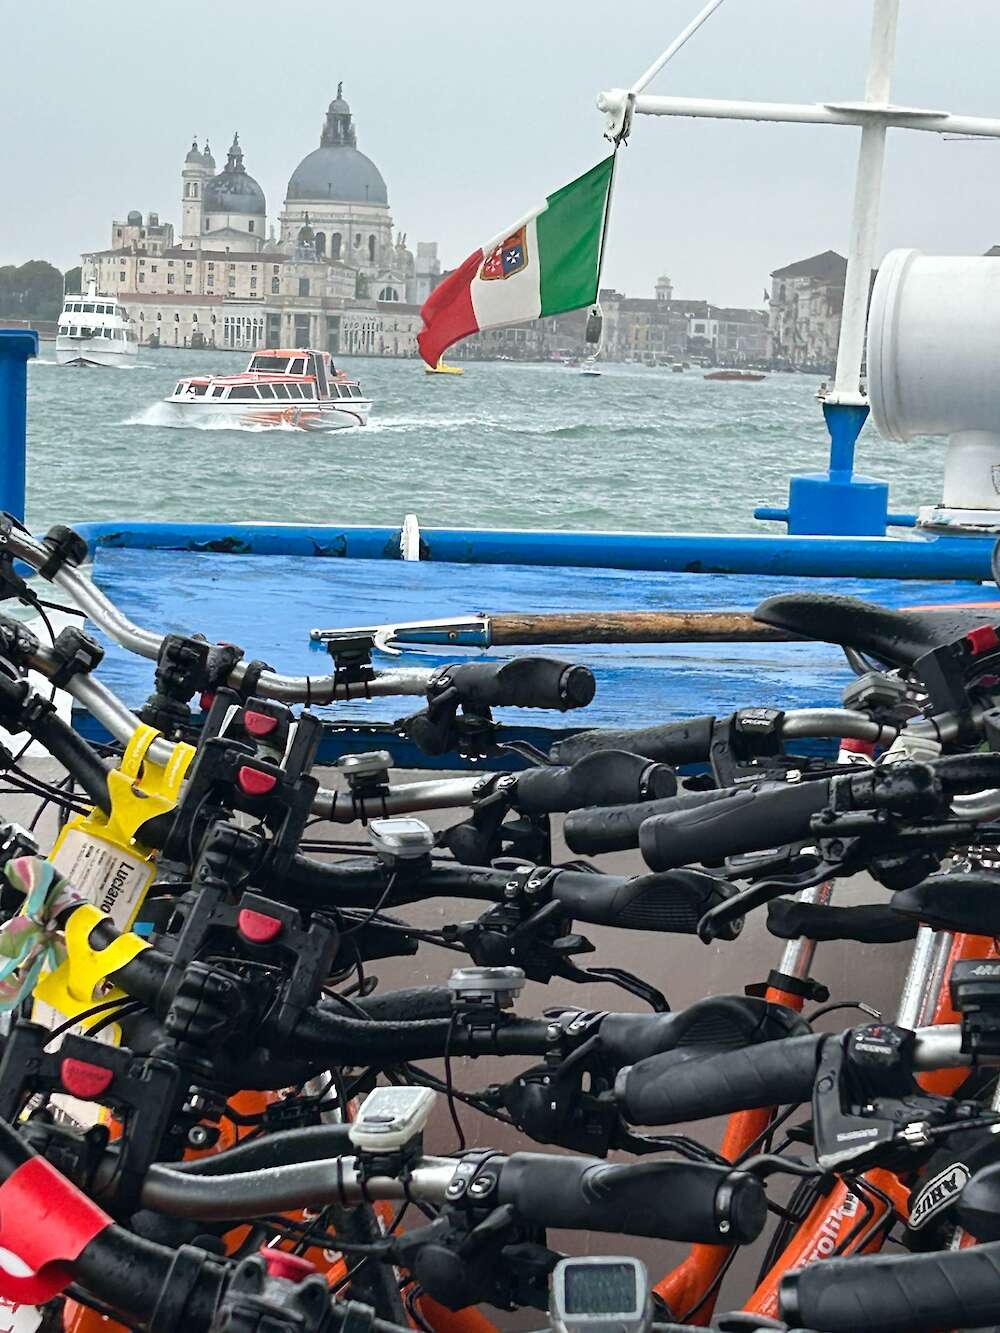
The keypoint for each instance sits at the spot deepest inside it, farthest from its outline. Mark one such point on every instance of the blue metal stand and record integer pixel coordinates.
(16, 346)
(838, 502)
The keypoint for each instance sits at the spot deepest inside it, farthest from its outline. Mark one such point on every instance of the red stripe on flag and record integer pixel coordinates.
(447, 313)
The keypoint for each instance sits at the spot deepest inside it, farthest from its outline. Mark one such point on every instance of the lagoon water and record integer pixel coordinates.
(504, 445)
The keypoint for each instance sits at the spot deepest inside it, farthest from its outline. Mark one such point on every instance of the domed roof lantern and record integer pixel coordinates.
(234, 159)
(339, 127)
(206, 154)
(193, 155)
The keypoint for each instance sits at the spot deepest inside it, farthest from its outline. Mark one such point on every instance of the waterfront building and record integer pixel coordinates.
(804, 311)
(337, 275)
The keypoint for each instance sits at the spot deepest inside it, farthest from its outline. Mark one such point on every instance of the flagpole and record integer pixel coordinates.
(674, 47)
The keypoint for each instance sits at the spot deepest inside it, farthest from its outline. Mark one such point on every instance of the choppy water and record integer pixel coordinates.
(502, 445)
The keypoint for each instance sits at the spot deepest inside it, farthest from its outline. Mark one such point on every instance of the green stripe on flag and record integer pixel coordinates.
(570, 232)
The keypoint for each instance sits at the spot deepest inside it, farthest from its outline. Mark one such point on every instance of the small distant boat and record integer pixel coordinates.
(751, 376)
(442, 369)
(294, 387)
(95, 331)
(590, 368)
(678, 367)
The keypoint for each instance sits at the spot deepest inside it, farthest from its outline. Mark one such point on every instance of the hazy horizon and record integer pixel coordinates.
(473, 115)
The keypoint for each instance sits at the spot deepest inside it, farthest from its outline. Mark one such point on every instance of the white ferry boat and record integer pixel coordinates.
(95, 331)
(296, 387)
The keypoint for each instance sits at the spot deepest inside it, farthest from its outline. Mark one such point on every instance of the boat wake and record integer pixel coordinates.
(160, 415)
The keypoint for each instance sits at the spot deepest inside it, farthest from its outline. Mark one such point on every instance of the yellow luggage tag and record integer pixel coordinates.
(99, 854)
(101, 858)
(72, 988)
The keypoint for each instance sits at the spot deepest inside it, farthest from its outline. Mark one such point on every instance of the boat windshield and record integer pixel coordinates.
(270, 365)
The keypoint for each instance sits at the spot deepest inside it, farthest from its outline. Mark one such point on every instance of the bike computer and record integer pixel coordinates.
(400, 839)
(600, 1295)
(390, 1118)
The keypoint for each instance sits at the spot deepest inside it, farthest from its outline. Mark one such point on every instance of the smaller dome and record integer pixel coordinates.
(339, 107)
(206, 155)
(193, 154)
(233, 190)
(134, 218)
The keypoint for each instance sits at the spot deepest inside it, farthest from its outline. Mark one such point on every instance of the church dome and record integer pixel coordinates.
(233, 190)
(193, 155)
(336, 169)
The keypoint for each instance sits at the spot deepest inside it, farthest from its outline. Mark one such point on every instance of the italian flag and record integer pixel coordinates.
(547, 263)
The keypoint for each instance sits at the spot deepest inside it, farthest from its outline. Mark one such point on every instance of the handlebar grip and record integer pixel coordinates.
(672, 903)
(686, 1201)
(612, 778)
(523, 682)
(675, 743)
(721, 1022)
(868, 923)
(657, 1092)
(615, 828)
(913, 1293)
(749, 821)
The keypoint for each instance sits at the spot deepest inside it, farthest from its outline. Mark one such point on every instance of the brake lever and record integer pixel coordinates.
(628, 981)
(724, 914)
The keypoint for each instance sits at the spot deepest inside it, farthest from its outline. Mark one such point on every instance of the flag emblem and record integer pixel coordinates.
(507, 258)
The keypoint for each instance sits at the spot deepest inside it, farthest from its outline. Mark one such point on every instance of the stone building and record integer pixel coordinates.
(337, 276)
(806, 302)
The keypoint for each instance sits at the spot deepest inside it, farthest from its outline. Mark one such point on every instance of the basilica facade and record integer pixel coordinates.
(332, 273)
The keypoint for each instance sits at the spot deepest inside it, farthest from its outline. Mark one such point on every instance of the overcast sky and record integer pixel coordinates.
(475, 111)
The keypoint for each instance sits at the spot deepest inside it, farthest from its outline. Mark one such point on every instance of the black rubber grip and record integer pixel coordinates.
(672, 903)
(613, 778)
(658, 1091)
(523, 682)
(749, 821)
(719, 1022)
(687, 1201)
(911, 1293)
(671, 743)
(869, 923)
(615, 828)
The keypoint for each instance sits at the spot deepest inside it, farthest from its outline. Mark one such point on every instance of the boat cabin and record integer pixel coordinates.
(93, 319)
(283, 375)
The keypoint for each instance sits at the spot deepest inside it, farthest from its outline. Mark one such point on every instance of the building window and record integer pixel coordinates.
(121, 277)
(320, 245)
(371, 249)
(142, 277)
(189, 263)
(250, 225)
(335, 245)
(274, 269)
(177, 319)
(142, 263)
(118, 233)
(170, 263)
(253, 282)
(275, 286)
(211, 266)
(388, 294)
(208, 224)
(153, 267)
(170, 279)
(357, 240)
(303, 286)
(231, 267)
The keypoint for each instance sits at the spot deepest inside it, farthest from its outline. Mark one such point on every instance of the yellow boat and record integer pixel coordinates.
(442, 369)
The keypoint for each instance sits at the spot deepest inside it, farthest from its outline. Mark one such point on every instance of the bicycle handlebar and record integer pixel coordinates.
(666, 1200)
(612, 778)
(775, 1073)
(912, 1293)
(615, 828)
(743, 820)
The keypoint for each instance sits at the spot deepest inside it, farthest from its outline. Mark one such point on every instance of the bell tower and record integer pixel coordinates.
(199, 167)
